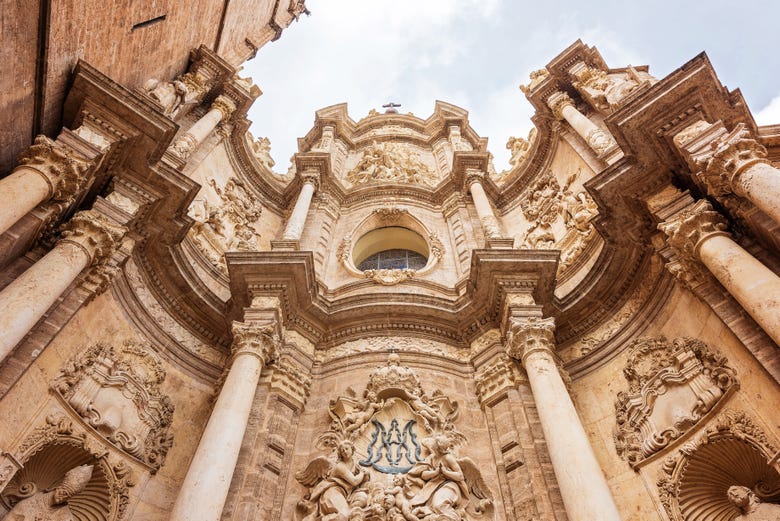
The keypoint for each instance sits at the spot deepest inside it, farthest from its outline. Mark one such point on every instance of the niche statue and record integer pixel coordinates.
(751, 508)
(52, 504)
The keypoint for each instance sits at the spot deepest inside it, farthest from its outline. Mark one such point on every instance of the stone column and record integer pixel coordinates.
(46, 170)
(220, 111)
(205, 488)
(88, 239)
(732, 162)
(294, 229)
(490, 224)
(584, 489)
(698, 234)
(597, 139)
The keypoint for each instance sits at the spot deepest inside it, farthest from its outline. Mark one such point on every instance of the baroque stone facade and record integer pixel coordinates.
(392, 330)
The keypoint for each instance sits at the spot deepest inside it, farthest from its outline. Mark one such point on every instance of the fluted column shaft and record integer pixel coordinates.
(732, 162)
(206, 485)
(584, 489)
(220, 110)
(295, 224)
(698, 235)
(489, 222)
(46, 170)
(89, 239)
(597, 139)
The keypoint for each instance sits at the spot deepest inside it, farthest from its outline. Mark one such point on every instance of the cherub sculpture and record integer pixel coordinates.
(750, 507)
(331, 484)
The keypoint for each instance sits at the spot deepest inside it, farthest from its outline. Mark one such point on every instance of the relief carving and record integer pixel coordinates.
(496, 378)
(117, 392)
(63, 170)
(261, 150)
(391, 163)
(520, 148)
(52, 504)
(605, 91)
(672, 385)
(394, 457)
(229, 226)
(725, 474)
(173, 96)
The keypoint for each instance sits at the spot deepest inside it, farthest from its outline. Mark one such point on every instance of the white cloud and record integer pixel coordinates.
(769, 115)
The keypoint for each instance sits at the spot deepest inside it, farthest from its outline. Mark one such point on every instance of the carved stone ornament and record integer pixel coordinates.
(496, 378)
(225, 105)
(723, 475)
(530, 335)
(48, 487)
(537, 77)
(394, 457)
(689, 228)
(520, 148)
(558, 101)
(63, 170)
(672, 386)
(117, 392)
(391, 163)
(261, 150)
(291, 379)
(228, 226)
(605, 91)
(600, 141)
(542, 201)
(173, 96)
(389, 277)
(95, 233)
(257, 340)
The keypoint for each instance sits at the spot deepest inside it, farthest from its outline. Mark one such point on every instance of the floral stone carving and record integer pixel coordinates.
(391, 163)
(117, 392)
(672, 385)
(393, 457)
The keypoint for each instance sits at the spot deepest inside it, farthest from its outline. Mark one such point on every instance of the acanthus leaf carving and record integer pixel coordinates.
(496, 378)
(671, 387)
(63, 170)
(117, 391)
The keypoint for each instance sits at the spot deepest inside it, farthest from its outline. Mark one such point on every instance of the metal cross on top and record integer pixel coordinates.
(391, 107)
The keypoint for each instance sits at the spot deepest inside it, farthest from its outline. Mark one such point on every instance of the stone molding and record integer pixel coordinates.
(531, 335)
(249, 338)
(225, 105)
(104, 383)
(673, 385)
(292, 380)
(94, 233)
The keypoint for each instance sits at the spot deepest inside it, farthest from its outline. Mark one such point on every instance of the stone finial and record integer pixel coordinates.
(94, 233)
(558, 101)
(690, 227)
(253, 339)
(530, 335)
(62, 169)
(224, 105)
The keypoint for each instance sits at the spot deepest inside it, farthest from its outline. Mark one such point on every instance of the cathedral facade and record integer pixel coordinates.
(392, 330)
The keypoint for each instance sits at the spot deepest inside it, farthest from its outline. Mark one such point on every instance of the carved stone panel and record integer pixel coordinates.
(117, 392)
(399, 431)
(672, 385)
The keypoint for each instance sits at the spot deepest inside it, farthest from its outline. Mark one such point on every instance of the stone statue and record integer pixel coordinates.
(52, 504)
(446, 484)
(169, 94)
(751, 508)
(331, 485)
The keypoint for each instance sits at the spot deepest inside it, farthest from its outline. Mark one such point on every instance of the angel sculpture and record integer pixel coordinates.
(331, 484)
(450, 488)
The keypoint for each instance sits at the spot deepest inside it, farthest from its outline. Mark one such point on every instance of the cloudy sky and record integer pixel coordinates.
(475, 53)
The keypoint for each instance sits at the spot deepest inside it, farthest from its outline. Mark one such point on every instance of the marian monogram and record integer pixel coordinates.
(392, 450)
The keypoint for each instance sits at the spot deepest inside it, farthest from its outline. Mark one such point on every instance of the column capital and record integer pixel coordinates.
(311, 176)
(62, 169)
(95, 233)
(250, 338)
(721, 155)
(558, 101)
(474, 175)
(687, 229)
(225, 105)
(291, 380)
(529, 335)
(495, 379)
